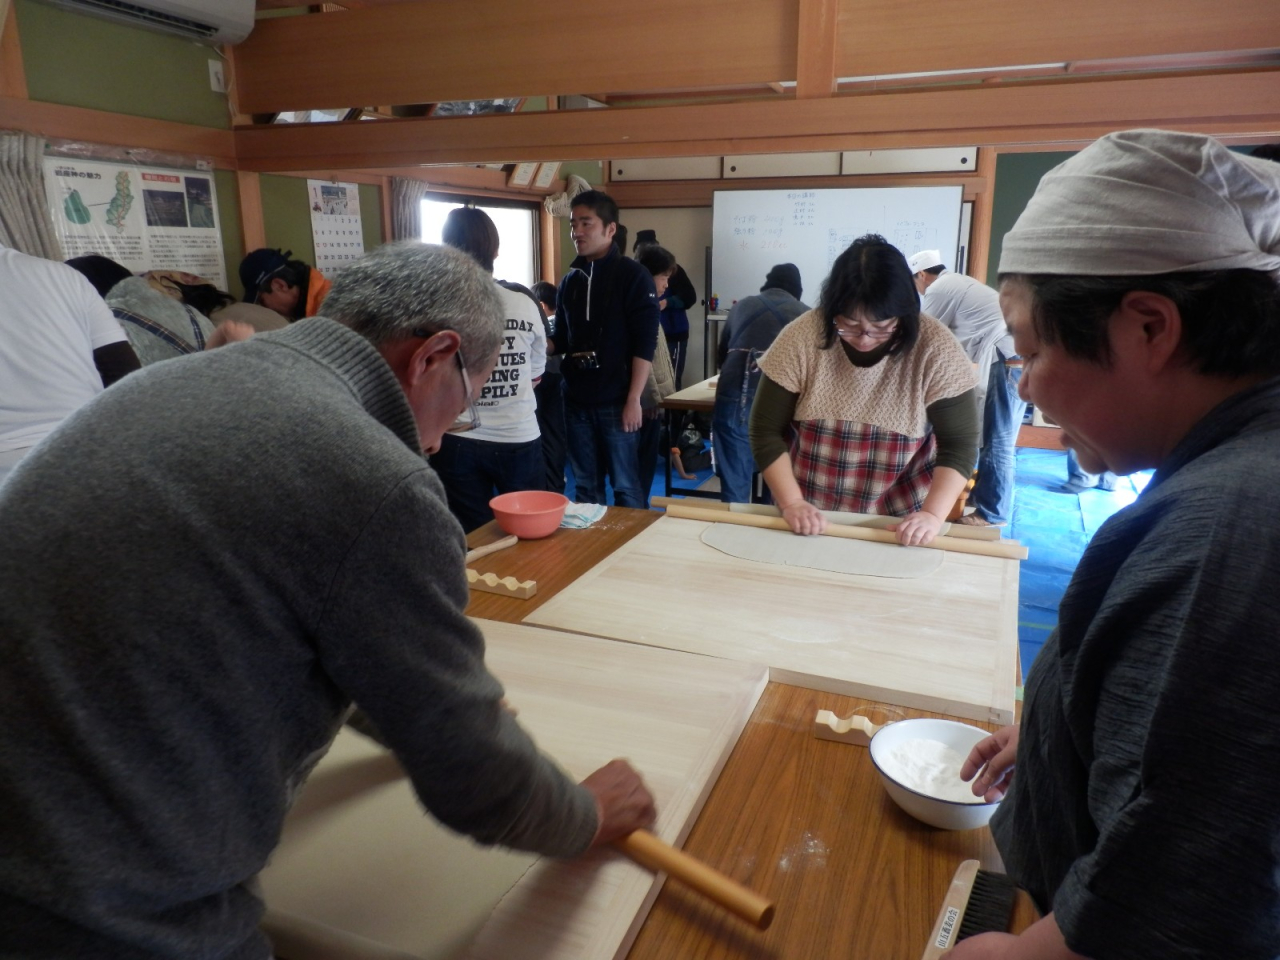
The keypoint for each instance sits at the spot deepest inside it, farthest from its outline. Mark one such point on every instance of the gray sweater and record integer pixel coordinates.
(200, 571)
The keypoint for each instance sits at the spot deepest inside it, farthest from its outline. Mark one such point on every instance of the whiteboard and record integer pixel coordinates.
(752, 230)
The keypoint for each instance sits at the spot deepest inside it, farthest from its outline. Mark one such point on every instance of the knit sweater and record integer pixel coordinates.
(192, 592)
(892, 394)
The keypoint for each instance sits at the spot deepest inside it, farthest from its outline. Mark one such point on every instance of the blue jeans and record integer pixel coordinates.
(473, 471)
(647, 448)
(732, 446)
(596, 443)
(1001, 418)
(1077, 475)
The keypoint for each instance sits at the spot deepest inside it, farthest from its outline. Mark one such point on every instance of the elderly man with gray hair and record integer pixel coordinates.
(1142, 286)
(204, 569)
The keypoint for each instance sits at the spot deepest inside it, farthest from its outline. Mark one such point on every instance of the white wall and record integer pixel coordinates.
(686, 232)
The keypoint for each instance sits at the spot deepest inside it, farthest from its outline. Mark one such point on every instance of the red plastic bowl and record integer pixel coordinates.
(529, 514)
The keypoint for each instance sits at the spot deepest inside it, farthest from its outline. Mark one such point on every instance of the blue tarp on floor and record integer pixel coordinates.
(1055, 527)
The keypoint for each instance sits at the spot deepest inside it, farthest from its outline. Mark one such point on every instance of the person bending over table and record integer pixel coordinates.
(852, 396)
(174, 666)
(1141, 285)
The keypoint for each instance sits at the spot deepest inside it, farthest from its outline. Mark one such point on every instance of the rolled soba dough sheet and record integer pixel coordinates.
(836, 554)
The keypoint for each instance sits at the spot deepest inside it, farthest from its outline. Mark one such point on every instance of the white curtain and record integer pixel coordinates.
(406, 208)
(24, 215)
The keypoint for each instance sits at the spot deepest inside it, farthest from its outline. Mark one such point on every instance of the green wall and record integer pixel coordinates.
(1017, 176)
(85, 61)
(229, 221)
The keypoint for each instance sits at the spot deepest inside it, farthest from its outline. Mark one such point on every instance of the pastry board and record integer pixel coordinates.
(946, 642)
(360, 859)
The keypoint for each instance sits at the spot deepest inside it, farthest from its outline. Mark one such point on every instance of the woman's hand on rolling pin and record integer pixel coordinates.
(917, 529)
(992, 759)
(804, 518)
(623, 803)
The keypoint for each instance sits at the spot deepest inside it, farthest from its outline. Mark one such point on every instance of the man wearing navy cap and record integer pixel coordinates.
(289, 287)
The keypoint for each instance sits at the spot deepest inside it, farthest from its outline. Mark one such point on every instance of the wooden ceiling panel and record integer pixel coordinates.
(425, 52)
(1073, 110)
(877, 37)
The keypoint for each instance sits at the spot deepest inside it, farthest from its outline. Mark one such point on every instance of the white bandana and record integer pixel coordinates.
(1143, 202)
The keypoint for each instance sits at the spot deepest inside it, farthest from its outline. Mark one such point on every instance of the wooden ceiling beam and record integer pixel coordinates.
(816, 49)
(425, 52)
(57, 121)
(420, 51)
(1057, 112)
(881, 38)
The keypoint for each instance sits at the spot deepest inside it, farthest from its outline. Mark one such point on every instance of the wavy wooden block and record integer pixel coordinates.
(507, 586)
(855, 729)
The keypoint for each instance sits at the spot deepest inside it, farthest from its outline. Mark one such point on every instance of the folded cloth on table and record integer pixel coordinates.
(578, 515)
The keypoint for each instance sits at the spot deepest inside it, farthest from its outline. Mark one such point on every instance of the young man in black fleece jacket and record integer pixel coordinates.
(609, 312)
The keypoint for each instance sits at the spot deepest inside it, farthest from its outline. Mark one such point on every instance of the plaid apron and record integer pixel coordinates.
(860, 468)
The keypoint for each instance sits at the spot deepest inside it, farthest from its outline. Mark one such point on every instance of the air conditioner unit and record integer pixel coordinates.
(205, 21)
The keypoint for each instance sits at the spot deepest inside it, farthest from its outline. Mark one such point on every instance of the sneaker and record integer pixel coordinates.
(973, 520)
(1074, 486)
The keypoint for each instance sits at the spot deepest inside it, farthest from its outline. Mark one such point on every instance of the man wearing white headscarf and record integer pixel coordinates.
(1142, 286)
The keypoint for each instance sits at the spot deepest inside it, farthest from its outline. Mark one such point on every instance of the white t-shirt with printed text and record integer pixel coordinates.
(506, 403)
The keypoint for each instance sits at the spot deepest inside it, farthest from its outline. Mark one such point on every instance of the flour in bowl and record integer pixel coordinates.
(929, 767)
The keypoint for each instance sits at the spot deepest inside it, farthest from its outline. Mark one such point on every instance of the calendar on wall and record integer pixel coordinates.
(335, 224)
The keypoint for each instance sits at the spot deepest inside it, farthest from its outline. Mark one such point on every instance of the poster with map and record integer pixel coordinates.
(335, 224)
(146, 218)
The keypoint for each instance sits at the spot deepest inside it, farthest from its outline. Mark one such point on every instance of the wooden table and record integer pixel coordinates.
(699, 398)
(802, 820)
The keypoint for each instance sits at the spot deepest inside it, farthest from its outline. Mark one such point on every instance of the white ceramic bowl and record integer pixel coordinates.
(947, 814)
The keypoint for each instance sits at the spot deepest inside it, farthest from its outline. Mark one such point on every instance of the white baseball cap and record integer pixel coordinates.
(924, 260)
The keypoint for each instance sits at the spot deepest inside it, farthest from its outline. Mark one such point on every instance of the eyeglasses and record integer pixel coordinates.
(469, 420)
(875, 330)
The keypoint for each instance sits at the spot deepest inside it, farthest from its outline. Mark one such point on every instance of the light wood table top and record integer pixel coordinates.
(699, 396)
(801, 820)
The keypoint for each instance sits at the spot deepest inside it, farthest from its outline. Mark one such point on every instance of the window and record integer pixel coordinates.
(517, 228)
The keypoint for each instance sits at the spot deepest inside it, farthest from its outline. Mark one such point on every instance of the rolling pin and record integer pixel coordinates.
(985, 548)
(494, 547)
(874, 521)
(652, 854)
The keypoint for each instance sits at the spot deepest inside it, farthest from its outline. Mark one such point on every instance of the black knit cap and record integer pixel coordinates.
(784, 276)
(103, 272)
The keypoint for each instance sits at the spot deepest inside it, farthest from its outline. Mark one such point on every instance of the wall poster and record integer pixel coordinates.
(145, 218)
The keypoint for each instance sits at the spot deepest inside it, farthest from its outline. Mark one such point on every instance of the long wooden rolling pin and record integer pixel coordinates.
(494, 547)
(651, 853)
(985, 548)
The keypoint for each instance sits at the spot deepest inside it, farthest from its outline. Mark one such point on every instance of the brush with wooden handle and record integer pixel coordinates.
(650, 852)
(977, 901)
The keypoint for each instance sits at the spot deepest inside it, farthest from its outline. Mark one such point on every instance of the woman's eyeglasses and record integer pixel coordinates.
(876, 330)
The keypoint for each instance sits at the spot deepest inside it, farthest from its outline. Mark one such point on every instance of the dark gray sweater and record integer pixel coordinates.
(199, 572)
(1143, 810)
